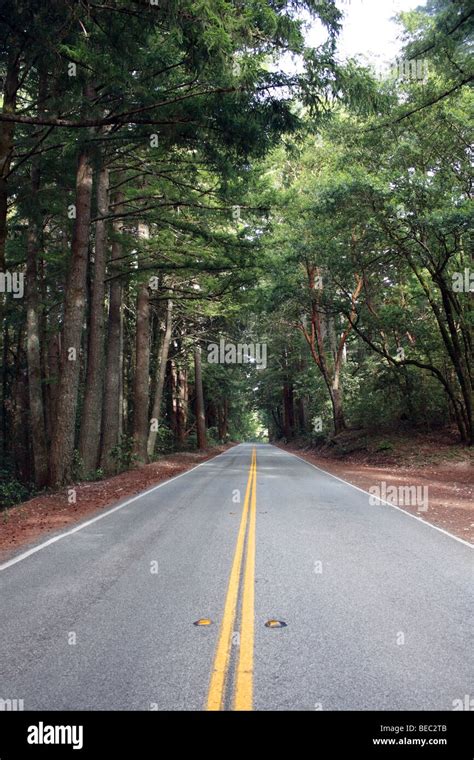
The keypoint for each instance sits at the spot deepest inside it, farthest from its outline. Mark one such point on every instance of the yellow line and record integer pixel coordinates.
(244, 673)
(215, 697)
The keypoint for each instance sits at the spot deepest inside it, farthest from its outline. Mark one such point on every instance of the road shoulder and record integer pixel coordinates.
(450, 486)
(46, 514)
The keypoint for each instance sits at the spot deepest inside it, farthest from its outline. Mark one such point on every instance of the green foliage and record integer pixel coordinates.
(123, 455)
(165, 443)
(251, 183)
(11, 490)
(385, 446)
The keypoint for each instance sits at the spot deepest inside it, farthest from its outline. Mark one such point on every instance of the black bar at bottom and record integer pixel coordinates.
(106, 734)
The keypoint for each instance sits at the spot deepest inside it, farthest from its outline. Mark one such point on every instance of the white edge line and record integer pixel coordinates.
(382, 501)
(53, 540)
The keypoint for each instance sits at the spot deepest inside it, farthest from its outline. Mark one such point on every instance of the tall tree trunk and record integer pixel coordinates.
(89, 440)
(220, 421)
(112, 411)
(226, 418)
(7, 129)
(62, 445)
(315, 339)
(302, 414)
(276, 417)
(19, 418)
(122, 390)
(337, 411)
(6, 148)
(33, 351)
(54, 354)
(200, 416)
(44, 344)
(288, 410)
(160, 379)
(179, 396)
(451, 322)
(142, 375)
(169, 391)
(182, 404)
(211, 414)
(5, 412)
(336, 398)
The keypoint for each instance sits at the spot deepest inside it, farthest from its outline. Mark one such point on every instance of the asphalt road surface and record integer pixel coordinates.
(377, 605)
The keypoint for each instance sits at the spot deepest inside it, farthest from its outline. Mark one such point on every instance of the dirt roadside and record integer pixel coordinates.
(46, 513)
(444, 469)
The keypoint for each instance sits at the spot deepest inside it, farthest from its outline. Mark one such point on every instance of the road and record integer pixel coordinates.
(377, 605)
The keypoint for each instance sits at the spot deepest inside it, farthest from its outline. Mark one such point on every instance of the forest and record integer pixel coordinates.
(211, 231)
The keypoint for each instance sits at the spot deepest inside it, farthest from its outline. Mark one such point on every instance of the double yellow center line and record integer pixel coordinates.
(243, 681)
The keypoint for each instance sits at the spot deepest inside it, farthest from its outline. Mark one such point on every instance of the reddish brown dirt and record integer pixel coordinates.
(425, 461)
(49, 512)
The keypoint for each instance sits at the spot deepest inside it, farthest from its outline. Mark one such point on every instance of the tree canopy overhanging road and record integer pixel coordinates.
(217, 236)
(168, 181)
